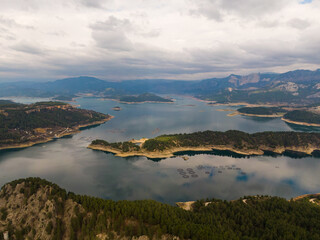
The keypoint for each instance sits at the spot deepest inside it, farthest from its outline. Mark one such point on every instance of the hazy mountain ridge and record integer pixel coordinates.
(259, 87)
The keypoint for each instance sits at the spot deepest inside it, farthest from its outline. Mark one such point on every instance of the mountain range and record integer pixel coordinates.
(294, 87)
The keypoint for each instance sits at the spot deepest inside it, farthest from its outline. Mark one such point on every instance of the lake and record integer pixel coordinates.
(69, 163)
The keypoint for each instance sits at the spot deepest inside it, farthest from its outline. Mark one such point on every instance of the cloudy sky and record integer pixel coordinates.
(174, 39)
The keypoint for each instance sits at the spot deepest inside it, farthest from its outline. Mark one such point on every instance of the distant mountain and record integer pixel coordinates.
(295, 87)
(299, 86)
(76, 85)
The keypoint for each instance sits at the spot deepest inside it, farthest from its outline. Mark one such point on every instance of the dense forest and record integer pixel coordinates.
(259, 217)
(303, 116)
(18, 122)
(261, 110)
(235, 139)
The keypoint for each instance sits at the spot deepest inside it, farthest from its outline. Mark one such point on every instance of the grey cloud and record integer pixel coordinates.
(112, 23)
(6, 34)
(112, 40)
(101, 4)
(299, 23)
(252, 7)
(150, 63)
(281, 53)
(58, 33)
(28, 48)
(211, 12)
(8, 22)
(151, 34)
(218, 9)
(269, 24)
(111, 34)
(124, 25)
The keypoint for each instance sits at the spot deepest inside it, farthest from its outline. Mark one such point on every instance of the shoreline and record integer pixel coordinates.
(236, 113)
(170, 152)
(74, 130)
(301, 123)
(215, 103)
(246, 104)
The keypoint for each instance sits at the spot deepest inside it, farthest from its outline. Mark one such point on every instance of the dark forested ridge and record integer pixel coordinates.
(20, 123)
(303, 116)
(251, 144)
(36, 209)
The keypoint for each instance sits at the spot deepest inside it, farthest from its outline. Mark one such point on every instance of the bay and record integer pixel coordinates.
(69, 163)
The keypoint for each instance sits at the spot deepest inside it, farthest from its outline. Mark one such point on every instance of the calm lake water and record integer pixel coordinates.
(70, 164)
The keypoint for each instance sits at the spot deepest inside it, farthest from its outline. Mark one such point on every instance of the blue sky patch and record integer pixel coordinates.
(305, 1)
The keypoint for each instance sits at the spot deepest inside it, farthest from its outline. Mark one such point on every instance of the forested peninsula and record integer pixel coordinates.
(132, 99)
(307, 116)
(143, 98)
(24, 125)
(303, 117)
(235, 141)
(34, 208)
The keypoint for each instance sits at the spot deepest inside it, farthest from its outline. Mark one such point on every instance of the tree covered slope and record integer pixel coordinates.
(36, 209)
(20, 123)
(232, 140)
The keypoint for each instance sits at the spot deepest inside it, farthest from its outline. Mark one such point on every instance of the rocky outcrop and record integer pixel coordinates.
(36, 209)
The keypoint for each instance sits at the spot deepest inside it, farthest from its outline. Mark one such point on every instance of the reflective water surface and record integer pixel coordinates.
(70, 164)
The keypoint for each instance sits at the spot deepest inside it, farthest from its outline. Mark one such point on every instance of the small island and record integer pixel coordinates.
(165, 146)
(303, 117)
(116, 108)
(23, 125)
(143, 98)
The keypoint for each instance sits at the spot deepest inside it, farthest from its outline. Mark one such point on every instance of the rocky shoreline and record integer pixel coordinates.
(53, 136)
